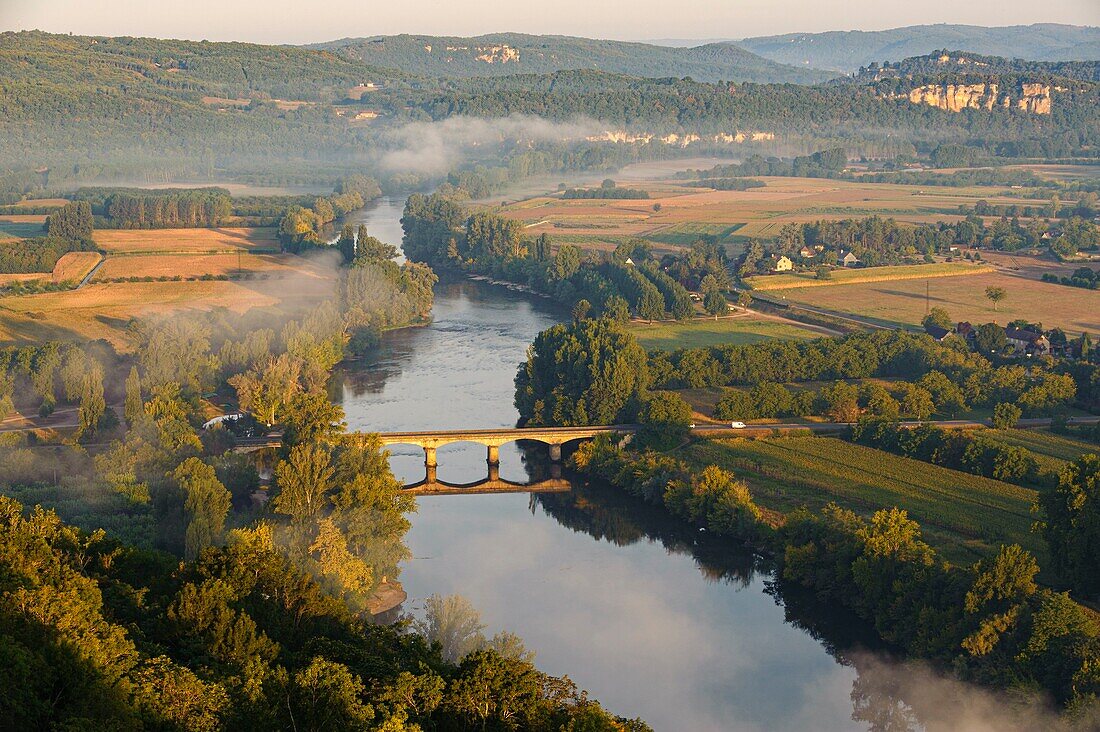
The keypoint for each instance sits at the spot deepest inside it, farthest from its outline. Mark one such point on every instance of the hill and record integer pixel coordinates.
(953, 63)
(846, 51)
(502, 54)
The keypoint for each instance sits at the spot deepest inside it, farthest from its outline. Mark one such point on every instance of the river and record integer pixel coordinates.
(652, 618)
(632, 616)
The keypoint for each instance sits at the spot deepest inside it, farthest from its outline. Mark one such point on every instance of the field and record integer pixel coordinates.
(791, 280)
(104, 310)
(682, 213)
(74, 266)
(963, 515)
(177, 241)
(194, 265)
(21, 226)
(709, 332)
(903, 302)
(1053, 451)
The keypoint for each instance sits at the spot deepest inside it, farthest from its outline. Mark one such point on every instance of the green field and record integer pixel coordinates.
(1053, 451)
(964, 516)
(705, 332)
(19, 230)
(687, 233)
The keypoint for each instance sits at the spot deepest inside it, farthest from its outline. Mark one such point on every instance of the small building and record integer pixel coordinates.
(938, 333)
(965, 330)
(849, 260)
(783, 264)
(629, 262)
(1027, 341)
(807, 252)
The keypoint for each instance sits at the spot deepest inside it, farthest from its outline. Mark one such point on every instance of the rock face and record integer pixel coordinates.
(1030, 97)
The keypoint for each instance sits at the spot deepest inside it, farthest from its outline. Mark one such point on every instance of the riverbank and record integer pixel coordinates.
(969, 620)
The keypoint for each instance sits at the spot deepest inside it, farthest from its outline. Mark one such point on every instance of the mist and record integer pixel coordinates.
(915, 696)
(435, 148)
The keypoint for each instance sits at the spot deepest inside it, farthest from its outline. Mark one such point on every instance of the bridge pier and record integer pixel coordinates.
(493, 457)
(555, 453)
(494, 471)
(429, 457)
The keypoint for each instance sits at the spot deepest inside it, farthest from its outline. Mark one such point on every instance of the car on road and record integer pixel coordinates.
(737, 425)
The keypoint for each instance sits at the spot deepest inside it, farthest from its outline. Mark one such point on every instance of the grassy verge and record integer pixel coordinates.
(964, 516)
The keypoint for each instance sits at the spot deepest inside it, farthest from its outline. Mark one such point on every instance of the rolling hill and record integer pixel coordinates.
(515, 53)
(846, 51)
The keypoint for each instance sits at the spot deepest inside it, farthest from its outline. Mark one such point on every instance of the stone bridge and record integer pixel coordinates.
(492, 439)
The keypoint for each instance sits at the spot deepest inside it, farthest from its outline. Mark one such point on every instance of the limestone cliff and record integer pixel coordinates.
(1029, 97)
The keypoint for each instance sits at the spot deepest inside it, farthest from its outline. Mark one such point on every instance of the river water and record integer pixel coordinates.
(641, 611)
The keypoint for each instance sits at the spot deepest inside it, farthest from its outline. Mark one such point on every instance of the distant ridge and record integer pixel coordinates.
(846, 51)
(504, 54)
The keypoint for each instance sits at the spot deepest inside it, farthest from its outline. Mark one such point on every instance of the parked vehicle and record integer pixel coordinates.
(738, 425)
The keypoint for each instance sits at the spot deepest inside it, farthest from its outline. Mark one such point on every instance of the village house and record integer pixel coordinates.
(807, 252)
(849, 260)
(783, 264)
(1027, 341)
(938, 333)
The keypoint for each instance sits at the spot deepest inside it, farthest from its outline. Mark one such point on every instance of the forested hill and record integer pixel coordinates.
(846, 51)
(963, 62)
(515, 53)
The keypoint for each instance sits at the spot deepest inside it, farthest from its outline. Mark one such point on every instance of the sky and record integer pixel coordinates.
(302, 21)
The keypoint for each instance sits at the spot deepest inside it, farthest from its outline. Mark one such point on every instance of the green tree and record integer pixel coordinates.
(1006, 415)
(939, 317)
(346, 243)
(989, 338)
(93, 406)
(207, 504)
(651, 306)
(582, 373)
(327, 696)
(1071, 524)
(715, 303)
(581, 309)
(454, 624)
(269, 387)
(304, 480)
(134, 407)
(995, 295)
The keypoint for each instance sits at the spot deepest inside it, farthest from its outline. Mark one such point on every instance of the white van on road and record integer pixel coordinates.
(737, 425)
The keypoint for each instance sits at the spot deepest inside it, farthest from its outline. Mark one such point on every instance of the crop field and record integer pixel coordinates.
(1053, 451)
(705, 332)
(791, 280)
(903, 302)
(195, 265)
(180, 241)
(735, 216)
(74, 266)
(963, 515)
(21, 226)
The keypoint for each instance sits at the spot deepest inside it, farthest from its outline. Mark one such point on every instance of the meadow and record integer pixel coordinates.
(903, 302)
(196, 265)
(705, 332)
(675, 215)
(789, 280)
(965, 516)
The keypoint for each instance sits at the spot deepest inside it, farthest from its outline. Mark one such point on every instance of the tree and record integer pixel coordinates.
(989, 338)
(93, 407)
(995, 295)
(822, 272)
(311, 417)
(651, 306)
(581, 309)
(304, 480)
(566, 262)
(326, 695)
(1006, 415)
(582, 373)
(207, 504)
(744, 299)
(134, 407)
(938, 317)
(268, 387)
(715, 303)
(666, 417)
(616, 308)
(346, 243)
(1071, 524)
(454, 624)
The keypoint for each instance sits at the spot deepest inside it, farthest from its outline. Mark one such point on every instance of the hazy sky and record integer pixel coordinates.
(305, 21)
